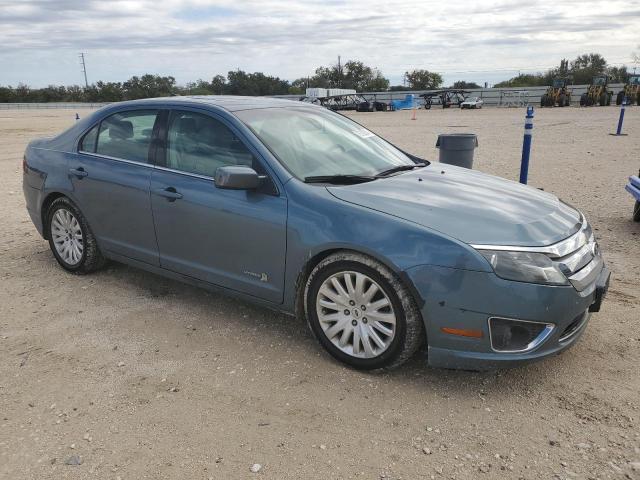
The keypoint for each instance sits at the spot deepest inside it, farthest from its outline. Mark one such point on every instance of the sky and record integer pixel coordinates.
(190, 39)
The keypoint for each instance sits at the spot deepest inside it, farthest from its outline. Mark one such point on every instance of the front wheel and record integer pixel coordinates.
(561, 100)
(361, 312)
(583, 100)
(70, 238)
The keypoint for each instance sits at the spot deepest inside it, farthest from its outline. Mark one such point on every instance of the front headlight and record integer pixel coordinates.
(525, 267)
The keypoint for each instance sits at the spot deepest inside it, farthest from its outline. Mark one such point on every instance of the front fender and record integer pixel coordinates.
(319, 223)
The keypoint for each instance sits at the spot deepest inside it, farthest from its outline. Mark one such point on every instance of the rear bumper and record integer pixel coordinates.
(32, 197)
(466, 300)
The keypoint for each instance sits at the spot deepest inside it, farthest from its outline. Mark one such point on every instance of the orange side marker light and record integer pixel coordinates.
(462, 332)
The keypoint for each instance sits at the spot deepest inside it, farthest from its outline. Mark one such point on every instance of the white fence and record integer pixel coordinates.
(490, 96)
(9, 106)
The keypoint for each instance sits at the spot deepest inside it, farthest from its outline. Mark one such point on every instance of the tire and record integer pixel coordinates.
(543, 100)
(583, 100)
(82, 255)
(402, 339)
(638, 99)
(619, 98)
(636, 212)
(603, 100)
(561, 101)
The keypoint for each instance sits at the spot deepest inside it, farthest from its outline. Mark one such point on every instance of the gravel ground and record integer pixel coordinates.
(124, 374)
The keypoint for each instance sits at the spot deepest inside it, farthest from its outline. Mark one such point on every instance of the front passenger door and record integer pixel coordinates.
(232, 238)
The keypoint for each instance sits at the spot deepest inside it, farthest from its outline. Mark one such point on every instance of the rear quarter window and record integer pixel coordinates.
(88, 142)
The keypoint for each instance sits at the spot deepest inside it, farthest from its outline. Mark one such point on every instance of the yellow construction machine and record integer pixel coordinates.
(597, 93)
(557, 94)
(631, 91)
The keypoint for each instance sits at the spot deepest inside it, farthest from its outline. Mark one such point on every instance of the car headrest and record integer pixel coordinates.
(186, 125)
(120, 129)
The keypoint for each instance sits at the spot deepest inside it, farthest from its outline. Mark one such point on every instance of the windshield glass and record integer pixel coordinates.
(314, 142)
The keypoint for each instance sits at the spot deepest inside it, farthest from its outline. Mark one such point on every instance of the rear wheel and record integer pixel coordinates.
(603, 99)
(543, 100)
(561, 101)
(70, 238)
(583, 100)
(361, 312)
(619, 98)
(636, 212)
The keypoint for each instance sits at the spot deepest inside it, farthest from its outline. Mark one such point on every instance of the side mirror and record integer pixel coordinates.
(237, 178)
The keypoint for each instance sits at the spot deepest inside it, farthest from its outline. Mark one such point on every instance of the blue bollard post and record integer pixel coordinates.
(526, 145)
(620, 120)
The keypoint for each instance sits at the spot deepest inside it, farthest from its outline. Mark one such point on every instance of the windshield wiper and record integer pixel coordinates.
(400, 168)
(339, 179)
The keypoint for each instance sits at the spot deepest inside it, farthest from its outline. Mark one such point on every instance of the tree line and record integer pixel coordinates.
(352, 74)
(579, 72)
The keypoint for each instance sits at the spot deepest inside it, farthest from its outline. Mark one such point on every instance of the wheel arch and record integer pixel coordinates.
(44, 210)
(318, 256)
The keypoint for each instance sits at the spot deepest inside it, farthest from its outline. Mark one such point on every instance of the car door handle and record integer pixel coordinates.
(78, 172)
(169, 193)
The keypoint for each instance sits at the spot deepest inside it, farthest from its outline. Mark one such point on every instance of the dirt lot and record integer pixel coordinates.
(135, 376)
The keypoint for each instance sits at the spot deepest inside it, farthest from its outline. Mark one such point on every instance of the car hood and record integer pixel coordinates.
(470, 206)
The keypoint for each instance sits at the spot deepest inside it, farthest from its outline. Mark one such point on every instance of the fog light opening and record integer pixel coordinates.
(517, 336)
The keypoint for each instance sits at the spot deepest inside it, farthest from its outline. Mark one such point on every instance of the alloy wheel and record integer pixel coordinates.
(67, 236)
(355, 314)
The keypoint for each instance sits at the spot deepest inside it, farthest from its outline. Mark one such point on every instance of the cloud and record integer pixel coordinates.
(192, 39)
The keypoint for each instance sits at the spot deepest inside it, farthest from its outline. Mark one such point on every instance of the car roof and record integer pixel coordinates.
(231, 103)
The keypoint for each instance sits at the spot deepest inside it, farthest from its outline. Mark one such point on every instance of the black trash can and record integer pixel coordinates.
(457, 148)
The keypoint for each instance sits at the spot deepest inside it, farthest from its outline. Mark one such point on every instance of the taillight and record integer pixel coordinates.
(24, 164)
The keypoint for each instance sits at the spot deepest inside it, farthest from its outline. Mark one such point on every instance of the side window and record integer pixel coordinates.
(88, 142)
(200, 144)
(127, 135)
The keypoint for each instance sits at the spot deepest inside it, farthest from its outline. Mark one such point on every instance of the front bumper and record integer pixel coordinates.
(465, 300)
(633, 187)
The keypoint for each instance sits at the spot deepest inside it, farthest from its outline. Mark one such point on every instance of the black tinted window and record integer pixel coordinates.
(88, 142)
(200, 144)
(127, 135)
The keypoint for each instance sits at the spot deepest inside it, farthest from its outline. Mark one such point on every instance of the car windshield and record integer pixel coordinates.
(312, 142)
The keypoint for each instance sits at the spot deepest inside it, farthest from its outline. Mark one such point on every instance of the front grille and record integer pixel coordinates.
(585, 251)
(581, 262)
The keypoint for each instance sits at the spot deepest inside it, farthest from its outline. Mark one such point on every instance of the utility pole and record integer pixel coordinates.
(84, 70)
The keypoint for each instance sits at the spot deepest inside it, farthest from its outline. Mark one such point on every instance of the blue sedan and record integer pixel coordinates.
(307, 212)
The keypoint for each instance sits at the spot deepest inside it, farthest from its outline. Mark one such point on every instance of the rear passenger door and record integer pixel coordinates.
(231, 238)
(111, 175)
